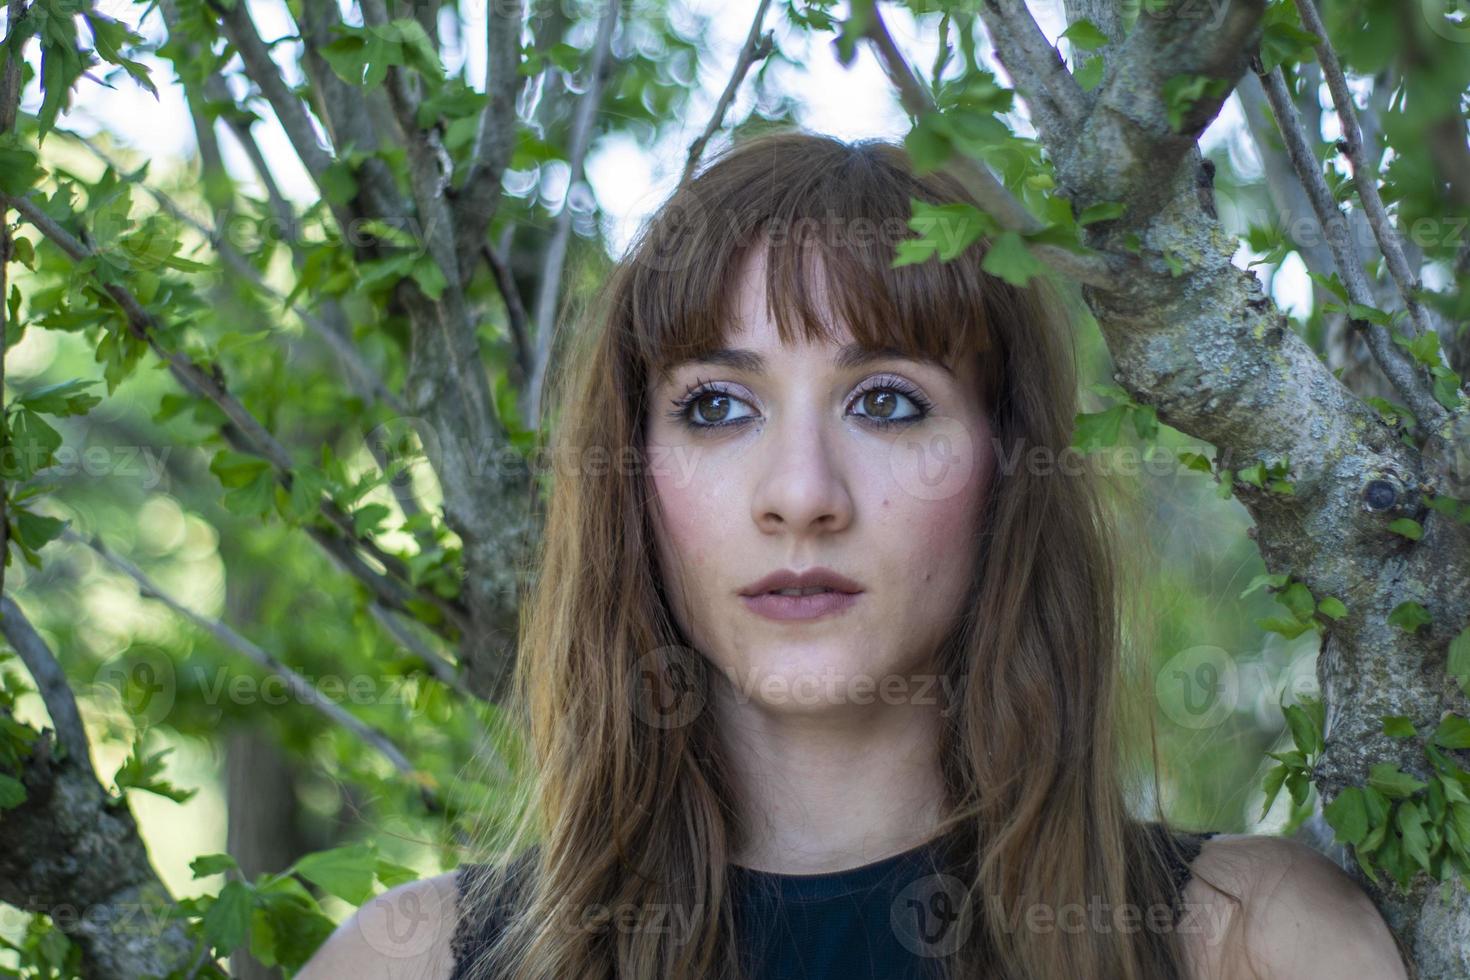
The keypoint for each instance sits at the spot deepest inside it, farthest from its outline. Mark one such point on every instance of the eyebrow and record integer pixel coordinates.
(848, 356)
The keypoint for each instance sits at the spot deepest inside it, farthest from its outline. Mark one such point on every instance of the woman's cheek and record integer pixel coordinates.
(688, 535)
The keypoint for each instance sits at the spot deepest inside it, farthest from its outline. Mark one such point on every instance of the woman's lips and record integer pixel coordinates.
(786, 608)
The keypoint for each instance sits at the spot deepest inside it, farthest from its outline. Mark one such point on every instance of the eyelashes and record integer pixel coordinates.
(682, 414)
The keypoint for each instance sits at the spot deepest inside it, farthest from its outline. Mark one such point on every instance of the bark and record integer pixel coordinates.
(72, 851)
(1218, 361)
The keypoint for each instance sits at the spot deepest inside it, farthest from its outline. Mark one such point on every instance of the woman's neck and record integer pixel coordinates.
(830, 787)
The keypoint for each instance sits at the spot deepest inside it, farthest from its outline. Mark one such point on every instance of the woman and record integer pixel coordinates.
(913, 769)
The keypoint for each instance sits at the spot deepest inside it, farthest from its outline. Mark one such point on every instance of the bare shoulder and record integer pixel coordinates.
(1298, 915)
(402, 934)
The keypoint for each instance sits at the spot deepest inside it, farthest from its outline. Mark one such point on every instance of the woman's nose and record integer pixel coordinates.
(800, 483)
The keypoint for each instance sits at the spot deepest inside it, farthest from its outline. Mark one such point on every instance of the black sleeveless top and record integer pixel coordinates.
(892, 919)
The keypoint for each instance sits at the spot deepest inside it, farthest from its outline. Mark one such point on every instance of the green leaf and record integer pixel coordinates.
(1348, 816)
(1289, 628)
(236, 469)
(1410, 820)
(1274, 581)
(143, 771)
(1090, 75)
(1332, 608)
(18, 173)
(227, 922)
(929, 144)
(1453, 732)
(1392, 781)
(61, 399)
(1304, 730)
(1409, 616)
(1458, 664)
(294, 926)
(1398, 726)
(1195, 461)
(368, 519)
(1408, 527)
(943, 230)
(430, 277)
(255, 499)
(1096, 430)
(346, 872)
(1085, 35)
(33, 443)
(392, 875)
(1182, 92)
(1360, 311)
(1104, 211)
(1008, 258)
(12, 792)
(35, 531)
(1282, 42)
(1299, 786)
(1298, 598)
(211, 864)
(1275, 776)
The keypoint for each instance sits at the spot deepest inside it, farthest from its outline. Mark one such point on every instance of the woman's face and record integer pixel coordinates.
(803, 473)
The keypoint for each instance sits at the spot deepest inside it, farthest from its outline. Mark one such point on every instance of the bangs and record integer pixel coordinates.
(816, 207)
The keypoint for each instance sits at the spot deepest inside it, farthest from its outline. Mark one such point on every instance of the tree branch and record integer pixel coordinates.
(300, 130)
(51, 684)
(479, 195)
(1128, 149)
(209, 384)
(756, 47)
(72, 846)
(1395, 362)
(300, 686)
(515, 312)
(1058, 104)
(598, 68)
(1099, 270)
(1365, 176)
(365, 379)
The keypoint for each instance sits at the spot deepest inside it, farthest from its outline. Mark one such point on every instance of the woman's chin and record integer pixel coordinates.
(812, 682)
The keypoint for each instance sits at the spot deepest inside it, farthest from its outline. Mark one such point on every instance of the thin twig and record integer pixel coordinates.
(344, 349)
(1365, 177)
(479, 197)
(257, 440)
(556, 249)
(289, 109)
(298, 684)
(515, 312)
(756, 47)
(1396, 364)
(1058, 103)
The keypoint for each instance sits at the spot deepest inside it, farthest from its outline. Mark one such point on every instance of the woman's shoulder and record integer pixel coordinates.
(1278, 909)
(406, 933)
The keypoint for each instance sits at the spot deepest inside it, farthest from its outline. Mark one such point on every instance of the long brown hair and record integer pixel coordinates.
(628, 810)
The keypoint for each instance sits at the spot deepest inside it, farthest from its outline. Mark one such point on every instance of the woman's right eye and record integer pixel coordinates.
(708, 408)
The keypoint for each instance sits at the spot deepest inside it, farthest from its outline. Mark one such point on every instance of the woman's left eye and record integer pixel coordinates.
(882, 401)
